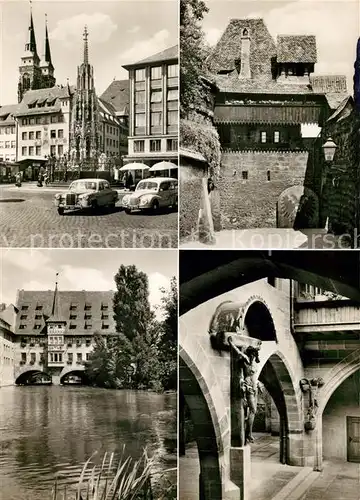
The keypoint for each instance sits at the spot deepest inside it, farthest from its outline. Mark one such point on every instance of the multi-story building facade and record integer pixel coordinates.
(54, 330)
(7, 344)
(153, 128)
(42, 131)
(266, 95)
(8, 135)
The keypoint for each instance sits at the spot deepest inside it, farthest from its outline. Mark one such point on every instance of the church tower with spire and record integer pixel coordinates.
(85, 140)
(29, 69)
(47, 69)
(56, 327)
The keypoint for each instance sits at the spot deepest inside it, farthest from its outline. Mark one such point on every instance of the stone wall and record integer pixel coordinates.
(190, 196)
(251, 202)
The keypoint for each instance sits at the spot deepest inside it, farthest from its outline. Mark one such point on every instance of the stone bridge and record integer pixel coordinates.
(251, 307)
(56, 374)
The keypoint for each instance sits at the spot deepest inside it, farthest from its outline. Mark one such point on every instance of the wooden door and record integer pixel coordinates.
(353, 439)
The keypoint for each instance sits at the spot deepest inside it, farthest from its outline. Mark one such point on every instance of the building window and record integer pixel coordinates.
(70, 357)
(88, 342)
(172, 117)
(73, 307)
(23, 316)
(87, 307)
(105, 327)
(79, 357)
(140, 75)
(24, 121)
(73, 316)
(60, 133)
(24, 136)
(156, 96)
(173, 95)
(54, 119)
(87, 316)
(31, 136)
(88, 326)
(37, 326)
(155, 145)
(7, 144)
(22, 327)
(139, 146)
(104, 307)
(31, 150)
(244, 175)
(53, 150)
(38, 316)
(263, 137)
(38, 150)
(156, 119)
(52, 134)
(13, 130)
(268, 175)
(173, 70)
(32, 121)
(156, 73)
(23, 357)
(60, 150)
(140, 120)
(32, 358)
(24, 151)
(38, 308)
(38, 134)
(172, 145)
(72, 327)
(12, 144)
(276, 136)
(38, 120)
(25, 308)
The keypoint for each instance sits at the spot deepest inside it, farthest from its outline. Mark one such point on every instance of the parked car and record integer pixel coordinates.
(86, 193)
(152, 194)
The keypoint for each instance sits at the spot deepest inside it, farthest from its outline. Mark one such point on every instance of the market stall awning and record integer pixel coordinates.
(268, 114)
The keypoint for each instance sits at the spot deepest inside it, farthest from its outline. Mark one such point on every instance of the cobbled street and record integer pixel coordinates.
(28, 218)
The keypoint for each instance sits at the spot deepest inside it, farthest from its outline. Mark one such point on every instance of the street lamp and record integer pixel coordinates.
(329, 149)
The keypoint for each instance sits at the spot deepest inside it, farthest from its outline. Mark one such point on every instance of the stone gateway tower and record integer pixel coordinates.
(84, 129)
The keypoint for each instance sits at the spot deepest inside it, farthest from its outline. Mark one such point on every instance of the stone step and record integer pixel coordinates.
(298, 486)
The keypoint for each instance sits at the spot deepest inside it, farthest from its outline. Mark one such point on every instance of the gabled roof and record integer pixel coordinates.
(65, 300)
(228, 48)
(7, 113)
(118, 95)
(50, 95)
(296, 49)
(170, 54)
(348, 102)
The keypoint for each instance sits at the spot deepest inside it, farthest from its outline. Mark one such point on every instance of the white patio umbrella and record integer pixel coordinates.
(135, 166)
(162, 165)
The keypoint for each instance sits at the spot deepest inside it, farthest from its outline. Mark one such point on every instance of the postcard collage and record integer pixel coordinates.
(179, 254)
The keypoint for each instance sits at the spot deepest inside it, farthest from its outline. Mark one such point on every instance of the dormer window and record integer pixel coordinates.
(245, 32)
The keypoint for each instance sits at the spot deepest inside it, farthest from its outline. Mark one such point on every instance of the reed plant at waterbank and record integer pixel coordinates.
(125, 479)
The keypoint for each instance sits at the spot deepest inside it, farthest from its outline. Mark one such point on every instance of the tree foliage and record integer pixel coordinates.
(193, 52)
(143, 354)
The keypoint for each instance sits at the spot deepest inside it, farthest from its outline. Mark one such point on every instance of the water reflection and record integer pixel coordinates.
(48, 431)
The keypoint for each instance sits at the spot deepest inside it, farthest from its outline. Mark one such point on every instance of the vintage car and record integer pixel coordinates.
(152, 193)
(86, 193)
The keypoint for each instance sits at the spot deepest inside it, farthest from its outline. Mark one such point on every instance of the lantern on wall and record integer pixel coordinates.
(329, 149)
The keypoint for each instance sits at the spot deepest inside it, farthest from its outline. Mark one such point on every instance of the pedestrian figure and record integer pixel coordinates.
(18, 179)
(40, 180)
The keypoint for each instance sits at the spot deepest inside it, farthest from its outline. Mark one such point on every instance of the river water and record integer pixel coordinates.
(50, 431)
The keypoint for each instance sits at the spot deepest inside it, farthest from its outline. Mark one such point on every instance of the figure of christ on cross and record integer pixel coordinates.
(245, 394)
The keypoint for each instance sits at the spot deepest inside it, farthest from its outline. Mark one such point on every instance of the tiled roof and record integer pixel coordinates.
(335, 99)
(118, 94)
(348, 101)
(296, 49)
(172, 53)
(7, 114)
(228, 48)
(32, 299)
(328, 83)
(50, 95)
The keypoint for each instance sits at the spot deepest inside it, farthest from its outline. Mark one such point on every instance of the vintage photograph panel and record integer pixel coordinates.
(269, 371)
(269, 124)
(88, 374)
(89, 124)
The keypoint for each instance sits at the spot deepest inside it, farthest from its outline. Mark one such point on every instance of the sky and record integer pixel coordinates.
(32, 269)
(120, 32)
(336, 24)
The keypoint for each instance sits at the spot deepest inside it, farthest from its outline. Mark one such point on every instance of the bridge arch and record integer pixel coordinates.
(68, 371)
(206, 420)
(23, 375)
